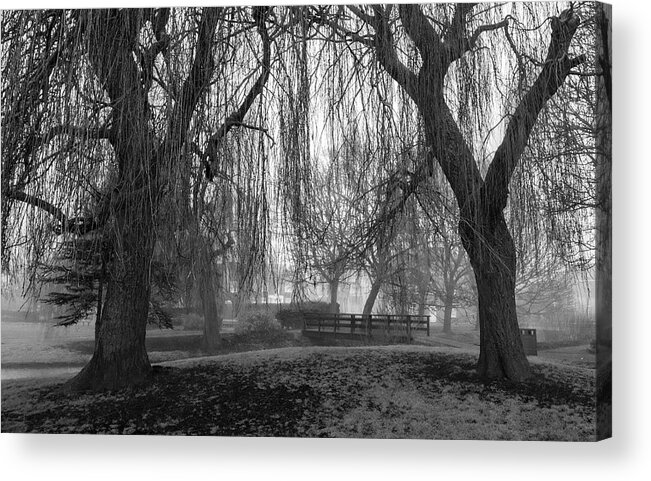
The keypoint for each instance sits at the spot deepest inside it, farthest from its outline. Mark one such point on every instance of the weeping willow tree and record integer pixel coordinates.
(151, 125)
(450, 59)
(100, 110)
(359, 138)
(224, 202)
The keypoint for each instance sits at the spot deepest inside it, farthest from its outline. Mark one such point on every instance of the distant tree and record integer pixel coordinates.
(544, 289)
(329, 227)
(451, 268)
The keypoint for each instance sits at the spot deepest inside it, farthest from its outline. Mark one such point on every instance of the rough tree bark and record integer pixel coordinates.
(447, 309)
(422, 301)
(211, 301)
(493, 261)
(120, 357)
(334, 292)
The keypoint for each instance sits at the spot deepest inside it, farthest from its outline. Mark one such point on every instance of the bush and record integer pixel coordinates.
(158, 316)
(258, 323)
(192, 322)
(244, 310)
(260, 331)
(291, 317)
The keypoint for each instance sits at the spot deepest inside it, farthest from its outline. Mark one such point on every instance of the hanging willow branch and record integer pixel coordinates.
(211, 158)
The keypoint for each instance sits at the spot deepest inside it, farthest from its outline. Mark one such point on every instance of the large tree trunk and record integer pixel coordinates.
(423, 286)
(334, 290)
(372, 297)
(492, 256)
(210, 291)
(422, 301)
(120, 357)
(447, 312)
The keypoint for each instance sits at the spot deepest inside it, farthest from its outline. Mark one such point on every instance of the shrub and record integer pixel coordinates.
(158, 316)
(291, 317)
(246, 309)
(258, 323)
(260, 330)
(192, 322)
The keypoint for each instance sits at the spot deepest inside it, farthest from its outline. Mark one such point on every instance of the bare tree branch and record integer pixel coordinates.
(557, 66)
(75, 225)
(363, 16)
(260, 15)
(420, 31)
(196, 82)
(387, 56)
(485, 28)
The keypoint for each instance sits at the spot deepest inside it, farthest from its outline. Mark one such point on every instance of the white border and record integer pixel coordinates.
(624, 457)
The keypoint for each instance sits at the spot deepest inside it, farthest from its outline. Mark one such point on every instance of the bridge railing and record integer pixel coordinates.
(359, 324)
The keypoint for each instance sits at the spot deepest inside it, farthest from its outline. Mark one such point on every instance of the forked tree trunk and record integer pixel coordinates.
(481, 198)
(492, 256)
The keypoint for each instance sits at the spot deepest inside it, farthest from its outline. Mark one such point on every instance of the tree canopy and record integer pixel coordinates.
(203, 134)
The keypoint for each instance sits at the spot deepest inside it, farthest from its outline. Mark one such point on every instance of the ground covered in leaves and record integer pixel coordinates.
(371, 392)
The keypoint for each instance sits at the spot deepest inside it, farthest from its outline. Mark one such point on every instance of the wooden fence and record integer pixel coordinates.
(357, 326)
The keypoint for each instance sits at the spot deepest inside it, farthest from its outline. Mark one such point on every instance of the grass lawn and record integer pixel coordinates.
(371, 392)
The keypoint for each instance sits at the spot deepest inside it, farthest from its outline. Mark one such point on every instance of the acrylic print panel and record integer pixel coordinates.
(311, 221)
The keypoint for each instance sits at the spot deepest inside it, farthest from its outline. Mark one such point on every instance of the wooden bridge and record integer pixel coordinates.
(393, 327)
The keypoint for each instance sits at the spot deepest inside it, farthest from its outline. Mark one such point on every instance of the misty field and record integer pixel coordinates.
(372, 392)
